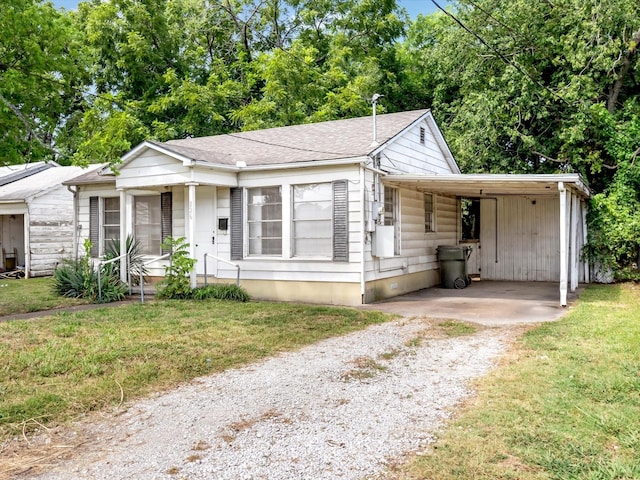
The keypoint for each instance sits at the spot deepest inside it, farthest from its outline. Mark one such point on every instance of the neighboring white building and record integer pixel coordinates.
(36, 217)
(332, 212)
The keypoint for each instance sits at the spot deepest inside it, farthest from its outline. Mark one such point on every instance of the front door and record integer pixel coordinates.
(206, 241)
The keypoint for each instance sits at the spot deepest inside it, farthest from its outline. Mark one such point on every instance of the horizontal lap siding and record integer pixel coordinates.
(407, 155)
(296, 268)
(153, 169)
(50, 231)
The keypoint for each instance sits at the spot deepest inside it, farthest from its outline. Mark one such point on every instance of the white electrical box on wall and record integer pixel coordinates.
(383, 241)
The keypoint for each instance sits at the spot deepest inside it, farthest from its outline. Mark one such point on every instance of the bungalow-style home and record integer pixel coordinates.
(342, 212)
(36, 217)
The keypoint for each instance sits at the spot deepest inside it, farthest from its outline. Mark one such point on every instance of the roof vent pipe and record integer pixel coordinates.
(374, 102)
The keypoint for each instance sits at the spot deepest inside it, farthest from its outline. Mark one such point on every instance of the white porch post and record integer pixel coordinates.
(124, 263)
(191, 233)
(563, 244)
(583, 211)
(575, 254)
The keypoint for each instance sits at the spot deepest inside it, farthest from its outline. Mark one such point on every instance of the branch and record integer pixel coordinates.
(547, 157)
(634, 156)
(23, 119)
(614, 91)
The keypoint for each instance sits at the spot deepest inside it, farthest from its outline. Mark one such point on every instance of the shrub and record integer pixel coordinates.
(176, 282)
(79, 279)
(221, 291)
(136, 257)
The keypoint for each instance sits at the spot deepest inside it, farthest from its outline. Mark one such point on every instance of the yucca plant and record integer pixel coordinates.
(136, 257)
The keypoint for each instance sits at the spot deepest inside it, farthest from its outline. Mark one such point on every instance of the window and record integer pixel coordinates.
(391, 213)
(110, 221)
(148, 229)
(470, 218)
(312, 220)
(264, 207)
(429, 213)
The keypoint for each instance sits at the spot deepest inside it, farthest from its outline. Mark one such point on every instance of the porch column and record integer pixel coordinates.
(191, 233)
(124, 263)
(575, 254)
(583, 211)
(563, 244)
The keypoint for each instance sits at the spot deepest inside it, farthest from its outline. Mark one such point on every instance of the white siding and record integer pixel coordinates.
(524, 244)
(287, 267)
(50, 230)
(407, 155)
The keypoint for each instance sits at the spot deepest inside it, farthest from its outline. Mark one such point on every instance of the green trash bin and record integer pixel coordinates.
(453, 266)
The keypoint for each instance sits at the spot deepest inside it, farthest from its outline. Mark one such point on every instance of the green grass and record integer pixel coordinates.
(31, 295)
(566, 406)
(56, 368)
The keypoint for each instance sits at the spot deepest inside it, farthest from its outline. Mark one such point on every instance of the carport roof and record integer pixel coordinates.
(490, 185)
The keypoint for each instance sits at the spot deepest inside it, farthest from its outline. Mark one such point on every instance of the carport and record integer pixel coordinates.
(532, 227)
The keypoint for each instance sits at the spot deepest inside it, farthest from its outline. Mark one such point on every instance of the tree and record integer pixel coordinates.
(40, 82)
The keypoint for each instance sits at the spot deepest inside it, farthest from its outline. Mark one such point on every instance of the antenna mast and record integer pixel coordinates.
(374, 102)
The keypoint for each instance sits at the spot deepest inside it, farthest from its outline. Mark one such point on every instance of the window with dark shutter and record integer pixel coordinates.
(94, 226)
(340, 221)
(236, 224)
(166, 214)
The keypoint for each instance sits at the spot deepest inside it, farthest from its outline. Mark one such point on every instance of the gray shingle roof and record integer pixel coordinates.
(330, 140)
(37, 183)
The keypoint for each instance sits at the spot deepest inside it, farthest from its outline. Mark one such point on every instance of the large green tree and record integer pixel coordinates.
(41, 82)
(524, 86)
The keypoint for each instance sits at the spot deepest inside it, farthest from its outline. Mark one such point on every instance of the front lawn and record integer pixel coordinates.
(565, 406)
(57, 368)
(31, 295)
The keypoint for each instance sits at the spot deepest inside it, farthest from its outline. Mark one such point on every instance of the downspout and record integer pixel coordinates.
(75, 221)
(363, 233)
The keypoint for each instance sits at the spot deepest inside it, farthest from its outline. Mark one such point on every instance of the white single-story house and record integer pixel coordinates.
(342, 212)
(36, 217)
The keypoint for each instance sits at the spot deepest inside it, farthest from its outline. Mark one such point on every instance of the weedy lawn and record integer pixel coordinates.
(56, 368)
(566, 404)
(31, 295)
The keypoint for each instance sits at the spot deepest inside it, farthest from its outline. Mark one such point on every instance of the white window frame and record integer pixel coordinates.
(155, 250)
(391, 215)
(327, 236)
(430, 225)
(104, 225)
(251, 222)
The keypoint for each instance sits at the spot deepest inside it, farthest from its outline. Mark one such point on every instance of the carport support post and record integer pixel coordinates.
(575, 254)
(583, 210)
(564, 261)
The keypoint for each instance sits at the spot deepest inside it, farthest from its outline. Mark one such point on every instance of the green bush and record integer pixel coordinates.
(221, 291)
(79, 279)
(176, 282)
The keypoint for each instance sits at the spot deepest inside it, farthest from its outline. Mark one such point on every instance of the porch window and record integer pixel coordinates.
(148, 225)
(110, 221)
(265, 220)
(392, 215)
(312, 220)
(429, 213)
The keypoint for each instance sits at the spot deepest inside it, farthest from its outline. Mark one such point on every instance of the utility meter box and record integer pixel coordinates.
(383, 241)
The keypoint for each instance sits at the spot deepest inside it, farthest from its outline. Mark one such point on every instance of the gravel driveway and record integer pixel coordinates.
(339, 409)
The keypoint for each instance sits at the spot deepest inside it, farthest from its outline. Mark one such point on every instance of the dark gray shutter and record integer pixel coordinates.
(236, 224)
(94, 226)
(166, 214)
(341, 221)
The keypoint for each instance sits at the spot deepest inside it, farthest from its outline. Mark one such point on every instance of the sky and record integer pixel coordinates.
(414, 7)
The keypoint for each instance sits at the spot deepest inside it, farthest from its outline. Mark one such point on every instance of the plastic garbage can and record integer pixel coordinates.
(453, 266)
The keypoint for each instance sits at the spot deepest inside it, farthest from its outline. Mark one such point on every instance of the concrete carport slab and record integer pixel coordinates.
(489, 303)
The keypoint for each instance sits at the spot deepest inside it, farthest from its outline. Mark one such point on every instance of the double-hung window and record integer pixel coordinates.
(429, 213)
(391, 214)
(312, 220)
(110, 221)
(147, 223)
(264, 212)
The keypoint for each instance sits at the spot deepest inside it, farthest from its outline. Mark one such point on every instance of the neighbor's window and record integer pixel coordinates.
(429, 213)
(470, 218)
(265, 220)
(110, 221)
(148, 228)
(391, 214)
(312, 220)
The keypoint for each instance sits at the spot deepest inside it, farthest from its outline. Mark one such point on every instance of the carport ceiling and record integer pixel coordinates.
(489, 185)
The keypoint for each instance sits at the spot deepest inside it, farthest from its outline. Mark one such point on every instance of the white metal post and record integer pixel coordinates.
(563, 244)
(583, 211)
(575, 253)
